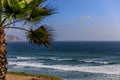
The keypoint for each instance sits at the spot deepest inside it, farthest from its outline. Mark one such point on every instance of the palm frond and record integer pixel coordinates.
(40, 36)
(35, 3)
(32, 11)
(40, 12)
(14, 8)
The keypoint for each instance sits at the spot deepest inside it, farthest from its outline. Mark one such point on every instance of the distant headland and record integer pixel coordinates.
(12, 38)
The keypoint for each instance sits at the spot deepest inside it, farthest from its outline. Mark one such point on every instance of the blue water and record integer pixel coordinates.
(68, 60)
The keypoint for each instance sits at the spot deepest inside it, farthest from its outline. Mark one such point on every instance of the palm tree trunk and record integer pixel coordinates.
(3, 59)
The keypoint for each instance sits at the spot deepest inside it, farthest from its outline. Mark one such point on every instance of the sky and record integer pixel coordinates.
(83, 20)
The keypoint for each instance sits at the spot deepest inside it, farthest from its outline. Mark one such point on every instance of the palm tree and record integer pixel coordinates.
(26, 12)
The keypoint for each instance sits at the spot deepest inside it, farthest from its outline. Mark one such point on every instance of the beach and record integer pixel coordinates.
(26, 76)
(18, 77)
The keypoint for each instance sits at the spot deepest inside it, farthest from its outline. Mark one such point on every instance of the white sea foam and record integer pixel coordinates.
(66, 59)
(94, 61)
(85, 61)
(25, 58)
(11, 58)
(107, 69)
(58, 59)
(18, 67)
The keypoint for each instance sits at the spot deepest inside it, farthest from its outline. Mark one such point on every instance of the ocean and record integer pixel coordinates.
(69, 60)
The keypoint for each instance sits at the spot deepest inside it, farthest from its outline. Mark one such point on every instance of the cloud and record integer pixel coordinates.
(84, 18)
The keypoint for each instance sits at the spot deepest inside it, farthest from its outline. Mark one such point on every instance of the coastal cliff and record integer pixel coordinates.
(10, 38)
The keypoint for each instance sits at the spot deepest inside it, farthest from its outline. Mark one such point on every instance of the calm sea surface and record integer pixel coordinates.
(68, 60)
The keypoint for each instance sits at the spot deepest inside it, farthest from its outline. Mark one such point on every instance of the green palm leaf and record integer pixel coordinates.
(39, 14)
(31, 11)
(38, 11)
(14, 8)
(42, 35)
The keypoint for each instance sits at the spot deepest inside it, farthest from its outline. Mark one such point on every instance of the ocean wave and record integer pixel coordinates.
(13, 59)
(21, 58)
(20, 67)
(31, 58)
(25, 58)
(61, 59)
(39, 58)
(96, 62)
(75, 60)
(106, 69)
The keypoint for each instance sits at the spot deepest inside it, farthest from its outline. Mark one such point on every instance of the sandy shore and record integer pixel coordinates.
(17, 77)
(22, 77)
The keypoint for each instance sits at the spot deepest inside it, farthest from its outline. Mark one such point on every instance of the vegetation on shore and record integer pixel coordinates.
(35, 75)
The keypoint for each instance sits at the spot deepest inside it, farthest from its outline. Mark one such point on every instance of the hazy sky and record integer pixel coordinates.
(79, 20)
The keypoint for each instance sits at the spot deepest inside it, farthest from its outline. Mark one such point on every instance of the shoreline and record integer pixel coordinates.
(27, 76)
